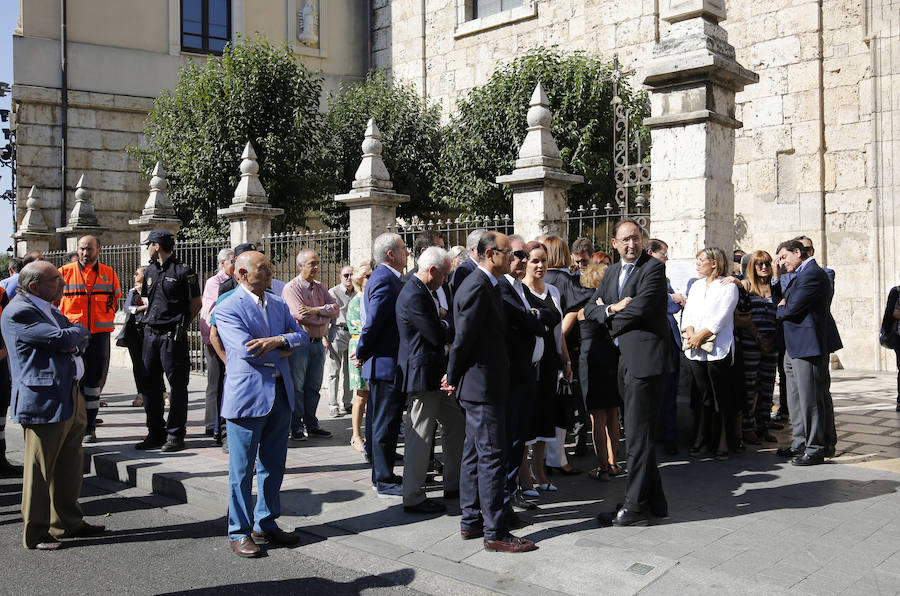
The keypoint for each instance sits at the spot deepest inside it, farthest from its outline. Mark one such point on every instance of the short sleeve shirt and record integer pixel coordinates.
(169, 288)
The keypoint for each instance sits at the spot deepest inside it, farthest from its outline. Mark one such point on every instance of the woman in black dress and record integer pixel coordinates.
(598, 374)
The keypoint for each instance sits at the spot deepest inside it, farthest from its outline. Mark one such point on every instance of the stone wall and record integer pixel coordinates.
(101, 126)
(786, 181)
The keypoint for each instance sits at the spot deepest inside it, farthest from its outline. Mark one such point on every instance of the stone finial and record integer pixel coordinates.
(83, 212)
(673, 11)
(539, 147)
(372, 171)
(249, 189)
(158, 203)
(33, 221)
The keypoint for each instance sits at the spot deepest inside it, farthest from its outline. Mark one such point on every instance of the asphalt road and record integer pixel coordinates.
(152, 547)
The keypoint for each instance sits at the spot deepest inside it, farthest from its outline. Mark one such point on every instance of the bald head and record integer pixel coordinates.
(88, 250)
(41, 279)
(254, 271)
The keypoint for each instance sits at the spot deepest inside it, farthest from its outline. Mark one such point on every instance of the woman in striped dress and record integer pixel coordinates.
(760, 351)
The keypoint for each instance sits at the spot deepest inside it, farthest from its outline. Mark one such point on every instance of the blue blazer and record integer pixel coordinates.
(422, 339)
(379, 338)
(479, 363)
(809, 329)
(40, 361)
(249, 390)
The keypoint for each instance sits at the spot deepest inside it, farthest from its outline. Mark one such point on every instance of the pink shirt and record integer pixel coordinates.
(210, 295)
(299, 291)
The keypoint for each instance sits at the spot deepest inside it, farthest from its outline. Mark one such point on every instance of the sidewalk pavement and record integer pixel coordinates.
(752, 524)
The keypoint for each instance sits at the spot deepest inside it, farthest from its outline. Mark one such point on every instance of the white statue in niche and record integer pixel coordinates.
(308, 24)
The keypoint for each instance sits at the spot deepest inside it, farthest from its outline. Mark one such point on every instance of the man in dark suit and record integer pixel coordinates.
(631, 302)
(810, 335)
(45, 362)
(478, 370)
(422, 361)
(379, 341)
(525, 325)
(469, 265)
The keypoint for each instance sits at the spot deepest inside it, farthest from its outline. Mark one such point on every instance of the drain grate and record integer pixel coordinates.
(640, 568)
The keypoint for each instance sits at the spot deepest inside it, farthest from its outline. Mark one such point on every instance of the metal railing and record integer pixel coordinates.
(596, 223)
(332, 246)
(453, 229)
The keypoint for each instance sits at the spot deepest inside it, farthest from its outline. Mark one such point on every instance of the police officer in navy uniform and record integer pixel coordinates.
(173, 300)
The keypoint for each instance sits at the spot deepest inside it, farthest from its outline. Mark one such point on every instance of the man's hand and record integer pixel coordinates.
(581, 315)
(262, 346)
(325, 343)
(445, 387)
(679, 299)
(620, 305)
(782, 303)
(599, 302)
(356, 362)
(304, 310)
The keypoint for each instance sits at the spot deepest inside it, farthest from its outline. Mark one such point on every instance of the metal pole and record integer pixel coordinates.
(64, 114)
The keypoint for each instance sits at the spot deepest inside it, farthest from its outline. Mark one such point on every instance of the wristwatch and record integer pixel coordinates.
(285, 344)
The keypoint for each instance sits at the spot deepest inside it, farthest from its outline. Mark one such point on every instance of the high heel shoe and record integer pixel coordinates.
(696, 450)
(549, 487)
(530, 492)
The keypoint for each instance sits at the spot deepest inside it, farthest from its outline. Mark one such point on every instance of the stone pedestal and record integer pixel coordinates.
(249, 215)
(693, 78)
(539, 184)
(82, 220)
(372, 200)
(32, 233)
(158, 212)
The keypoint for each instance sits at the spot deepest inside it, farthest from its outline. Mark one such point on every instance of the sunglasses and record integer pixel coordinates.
(766, 264)
(520, 254)
(346, 274)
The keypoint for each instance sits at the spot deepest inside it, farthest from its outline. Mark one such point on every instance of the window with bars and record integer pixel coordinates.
(205, 25)
(484, 8)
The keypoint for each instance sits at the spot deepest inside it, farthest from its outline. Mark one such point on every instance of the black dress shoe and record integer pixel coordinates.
(808, 460)
(623, 517)
(150, 442)
(470, 533)
(670, 447)
(427, 506)
(87, 529)
(520, 502)
(173, 445)
(789, 452)
(512, 520)
(829, 451)
(245, 547)
(276, 536)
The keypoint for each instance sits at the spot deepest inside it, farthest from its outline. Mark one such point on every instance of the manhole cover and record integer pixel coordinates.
(640, 568)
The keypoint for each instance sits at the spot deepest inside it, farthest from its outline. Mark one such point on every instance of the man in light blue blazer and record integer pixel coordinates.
(258, 332)
(45, 363)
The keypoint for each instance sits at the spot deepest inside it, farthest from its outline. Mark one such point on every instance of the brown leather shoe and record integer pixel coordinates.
(245, 547)
(471, 533)
(87, 529)
(510, 544)
(276, 536)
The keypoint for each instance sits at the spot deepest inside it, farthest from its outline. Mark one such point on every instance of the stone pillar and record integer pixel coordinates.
(539, 184)
(250, 215)
(693, 77)
(158, 212)
(33, 233)
(372, 200)
(82, 220)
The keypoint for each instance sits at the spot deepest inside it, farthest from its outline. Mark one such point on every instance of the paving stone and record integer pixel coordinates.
(870, 439)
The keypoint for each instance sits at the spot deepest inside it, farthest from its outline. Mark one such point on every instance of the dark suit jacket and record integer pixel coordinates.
(40, 361)
(379, 339)
(523, 328)
(461, 272)
(641, 328)
(422, 339)
(888, 322)
(809, 329)
(479, 364)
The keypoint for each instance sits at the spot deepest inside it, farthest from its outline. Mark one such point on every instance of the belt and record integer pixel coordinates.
(159, 330)
(315, 340)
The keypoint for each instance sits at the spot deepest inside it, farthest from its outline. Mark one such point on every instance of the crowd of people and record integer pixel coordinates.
(507, 346)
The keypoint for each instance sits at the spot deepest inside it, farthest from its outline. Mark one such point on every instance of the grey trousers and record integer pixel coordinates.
(215, 374)
(337, 370)
(424, 410)
(809, 401)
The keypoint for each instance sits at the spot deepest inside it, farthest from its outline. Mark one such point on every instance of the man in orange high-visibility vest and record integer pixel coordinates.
(89, 298)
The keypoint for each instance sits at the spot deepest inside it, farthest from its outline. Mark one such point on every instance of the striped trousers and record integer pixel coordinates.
(759, 385)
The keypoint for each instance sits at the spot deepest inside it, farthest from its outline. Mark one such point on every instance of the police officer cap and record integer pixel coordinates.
(245, 247)
(159, 236)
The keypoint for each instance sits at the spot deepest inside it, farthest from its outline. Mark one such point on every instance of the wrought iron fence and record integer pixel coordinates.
(596, 223)
(332, 246)
(453, 229)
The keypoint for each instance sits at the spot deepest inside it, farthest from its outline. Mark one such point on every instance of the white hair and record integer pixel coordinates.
(434, 256)
(303, 255)
(224, 255)
(473, 238)
(384, 243)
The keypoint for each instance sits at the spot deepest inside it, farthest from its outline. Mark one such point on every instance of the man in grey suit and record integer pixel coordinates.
(45, 362)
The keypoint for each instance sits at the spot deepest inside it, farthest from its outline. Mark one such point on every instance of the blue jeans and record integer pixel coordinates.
(307, 369)
(262, 440)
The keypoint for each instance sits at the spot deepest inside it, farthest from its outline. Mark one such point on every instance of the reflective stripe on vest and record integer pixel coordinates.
(94, 308)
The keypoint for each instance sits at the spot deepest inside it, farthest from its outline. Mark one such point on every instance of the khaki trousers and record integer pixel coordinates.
(51, 484)
(425, 409)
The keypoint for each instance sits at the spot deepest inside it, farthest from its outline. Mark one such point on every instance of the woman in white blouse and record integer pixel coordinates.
(707, 325)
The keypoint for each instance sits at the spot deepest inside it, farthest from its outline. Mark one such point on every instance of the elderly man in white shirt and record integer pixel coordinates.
(707, 325)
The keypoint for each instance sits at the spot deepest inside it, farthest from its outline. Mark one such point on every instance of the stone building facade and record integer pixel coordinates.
(815, 155)
(120, 56)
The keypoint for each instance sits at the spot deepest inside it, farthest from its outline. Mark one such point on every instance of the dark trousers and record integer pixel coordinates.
(519, 411)
(96, 365)
(162, 354)
(135, 345)
(483, 475)
(642, 397)
(897, 353)
(783, 408)
(387, 405)
(668, 420)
